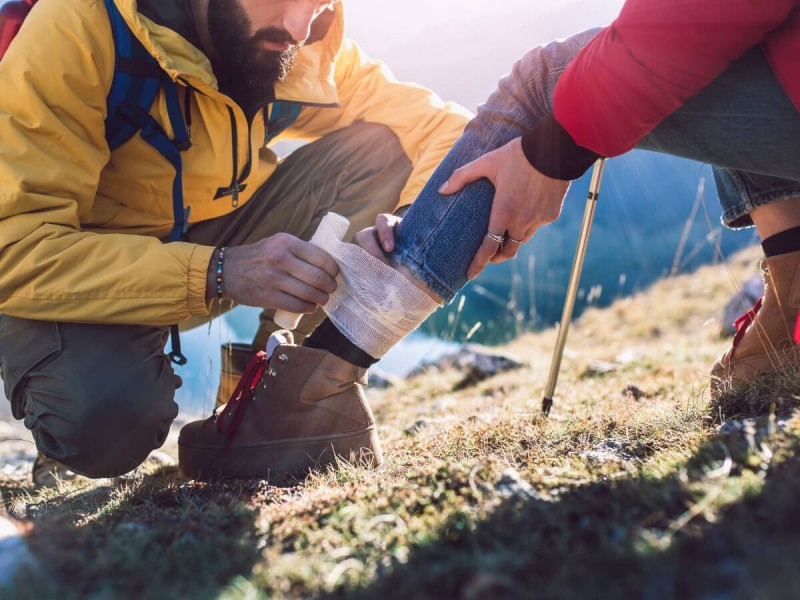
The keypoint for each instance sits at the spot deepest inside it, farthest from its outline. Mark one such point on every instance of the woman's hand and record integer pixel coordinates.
(524, 201)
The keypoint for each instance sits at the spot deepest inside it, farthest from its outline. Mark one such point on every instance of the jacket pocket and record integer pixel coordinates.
(25, 345)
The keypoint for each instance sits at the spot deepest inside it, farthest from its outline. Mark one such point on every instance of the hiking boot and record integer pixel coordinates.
(767, 336)
(46, 472)
(234, 360)
(294, 409)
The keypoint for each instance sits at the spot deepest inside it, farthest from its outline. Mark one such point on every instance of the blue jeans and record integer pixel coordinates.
(743, 124)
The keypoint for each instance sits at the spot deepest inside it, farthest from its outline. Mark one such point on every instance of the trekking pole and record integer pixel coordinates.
(574, 280)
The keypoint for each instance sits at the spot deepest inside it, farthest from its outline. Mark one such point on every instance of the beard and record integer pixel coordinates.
(244, 68)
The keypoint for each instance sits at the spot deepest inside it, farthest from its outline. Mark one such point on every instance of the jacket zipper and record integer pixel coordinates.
(237, 181)
(235, 186)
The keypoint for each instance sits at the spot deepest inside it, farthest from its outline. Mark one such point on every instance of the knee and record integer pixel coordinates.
(106, 433)
(370, 150)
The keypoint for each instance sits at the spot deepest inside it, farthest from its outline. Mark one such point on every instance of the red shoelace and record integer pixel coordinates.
(230, 417)
(742, 323)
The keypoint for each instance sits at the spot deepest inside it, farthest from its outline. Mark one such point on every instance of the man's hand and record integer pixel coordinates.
(378, 239)
(524, 200)
(280, 272)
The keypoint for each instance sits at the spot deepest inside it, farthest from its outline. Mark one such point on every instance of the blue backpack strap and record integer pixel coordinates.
(282, 115)
(137, 80)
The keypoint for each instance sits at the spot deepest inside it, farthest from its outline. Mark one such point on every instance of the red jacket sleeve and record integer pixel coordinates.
(655, 56)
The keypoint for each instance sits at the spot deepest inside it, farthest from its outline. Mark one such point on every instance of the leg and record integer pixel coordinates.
(335, 385)
(746, 126)
(97, 398)
(744, 123)
(439, 236)
(358, 172)
(776, 217)
(725, 123)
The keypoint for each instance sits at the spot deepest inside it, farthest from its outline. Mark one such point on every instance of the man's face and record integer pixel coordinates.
(257, 40)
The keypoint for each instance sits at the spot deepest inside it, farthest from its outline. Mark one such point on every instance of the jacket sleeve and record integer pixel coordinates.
(655, 56)
(426, 126)
(53, 87)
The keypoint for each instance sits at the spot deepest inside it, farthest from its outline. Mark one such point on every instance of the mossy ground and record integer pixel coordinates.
(626, 491)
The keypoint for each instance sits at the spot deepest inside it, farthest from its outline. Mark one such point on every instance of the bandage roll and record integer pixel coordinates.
(333, 227)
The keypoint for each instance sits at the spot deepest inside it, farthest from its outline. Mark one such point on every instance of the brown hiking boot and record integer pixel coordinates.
(234, 361)
(767, 337)
(300, 409)
(47, 472)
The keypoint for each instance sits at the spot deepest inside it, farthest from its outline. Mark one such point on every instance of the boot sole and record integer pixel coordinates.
(284, 457)
(745, 370)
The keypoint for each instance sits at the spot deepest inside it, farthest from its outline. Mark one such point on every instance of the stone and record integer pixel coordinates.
(475, 362)
(748, 440)
(381, 380)
(14, 552)
(741, 302)
(512, 485)
(424, 423)
(599, 368)
(633, 392)
(609, 451)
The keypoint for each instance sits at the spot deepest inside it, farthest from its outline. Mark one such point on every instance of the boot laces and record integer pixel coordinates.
(231, 415)
(764, 266)
(743, 323)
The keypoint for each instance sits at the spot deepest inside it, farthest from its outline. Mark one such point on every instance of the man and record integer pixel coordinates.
(88, 289)
(716, 81)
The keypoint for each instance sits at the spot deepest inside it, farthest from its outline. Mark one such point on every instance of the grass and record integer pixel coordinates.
(617, 495)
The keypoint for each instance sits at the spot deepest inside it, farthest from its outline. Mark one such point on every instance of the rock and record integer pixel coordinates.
(380, 380)
(598, 369)
(741, 302)
(512, 485)
(609, 451)
(17, 450)
(14, 552)
(627, 357)
(747, 440)
(444, 403)
(633, 392)
(474, 361)
(423, 423)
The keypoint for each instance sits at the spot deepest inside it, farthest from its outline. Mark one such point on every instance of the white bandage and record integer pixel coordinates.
(331, 224)
(374, 306)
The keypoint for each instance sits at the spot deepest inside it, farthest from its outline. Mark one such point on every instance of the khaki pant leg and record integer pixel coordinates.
(97, 398)
(358, 172)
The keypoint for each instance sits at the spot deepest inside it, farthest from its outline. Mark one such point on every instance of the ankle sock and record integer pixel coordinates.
(328, 337)
(782, 243)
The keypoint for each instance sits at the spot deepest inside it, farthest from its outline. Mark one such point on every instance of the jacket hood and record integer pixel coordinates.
(168, 34)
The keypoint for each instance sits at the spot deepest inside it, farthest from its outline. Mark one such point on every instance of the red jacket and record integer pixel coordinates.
(653, 57)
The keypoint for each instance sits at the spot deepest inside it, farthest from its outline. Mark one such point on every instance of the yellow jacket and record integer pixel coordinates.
(79, 226)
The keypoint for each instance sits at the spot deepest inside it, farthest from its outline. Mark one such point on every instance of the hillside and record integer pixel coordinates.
(630, 490)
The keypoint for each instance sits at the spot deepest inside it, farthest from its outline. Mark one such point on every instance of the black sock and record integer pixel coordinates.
(782, 243)
(327, 337)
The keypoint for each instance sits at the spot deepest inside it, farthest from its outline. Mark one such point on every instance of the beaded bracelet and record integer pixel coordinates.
(220, 262)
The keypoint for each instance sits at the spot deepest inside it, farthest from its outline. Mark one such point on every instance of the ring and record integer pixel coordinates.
(511, 239)
(497, 238)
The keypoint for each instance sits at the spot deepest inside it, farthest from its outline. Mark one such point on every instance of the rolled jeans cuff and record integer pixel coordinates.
(740, 192)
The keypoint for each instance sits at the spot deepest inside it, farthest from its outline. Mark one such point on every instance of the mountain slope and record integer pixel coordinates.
(629, 490)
